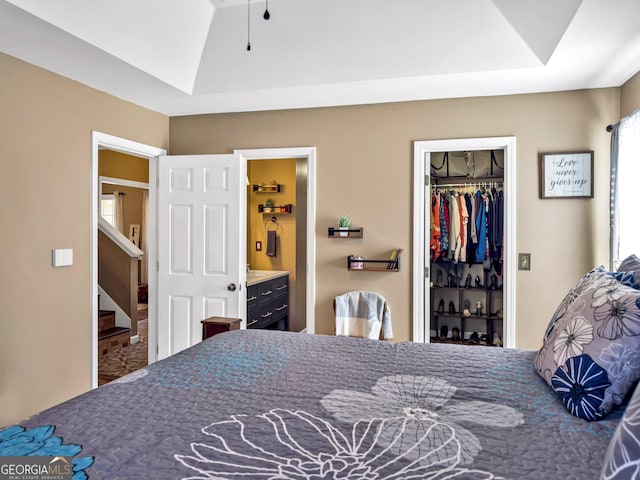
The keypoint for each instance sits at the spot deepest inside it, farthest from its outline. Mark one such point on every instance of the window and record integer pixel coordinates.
(106, 208)
(625, 171)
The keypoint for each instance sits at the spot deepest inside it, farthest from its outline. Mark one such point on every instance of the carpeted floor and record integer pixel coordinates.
(128, 359)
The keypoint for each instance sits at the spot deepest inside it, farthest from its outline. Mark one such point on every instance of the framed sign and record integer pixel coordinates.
(134, 234)
(566, 175)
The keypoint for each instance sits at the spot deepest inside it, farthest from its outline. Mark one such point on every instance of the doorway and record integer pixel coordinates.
(101, 141)
(305, 158)
(421, 261)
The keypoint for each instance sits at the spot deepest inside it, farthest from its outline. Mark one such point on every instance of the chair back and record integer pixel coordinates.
(363, 314)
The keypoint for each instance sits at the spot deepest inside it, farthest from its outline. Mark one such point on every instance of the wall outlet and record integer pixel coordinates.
(524, 261)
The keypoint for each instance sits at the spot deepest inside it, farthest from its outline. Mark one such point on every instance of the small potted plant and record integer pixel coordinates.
(268, 205)
(344, 223)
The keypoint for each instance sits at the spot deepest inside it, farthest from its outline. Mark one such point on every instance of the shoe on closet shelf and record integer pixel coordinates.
(478, 283)
(444, 331)
(467, 308)
(455, 334)
(439, 279)
(452, 308)
(441, 306)
(494, 282)
(467, 282)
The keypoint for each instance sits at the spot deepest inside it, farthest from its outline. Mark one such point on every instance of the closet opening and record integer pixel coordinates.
(464, 241)
(466, 247)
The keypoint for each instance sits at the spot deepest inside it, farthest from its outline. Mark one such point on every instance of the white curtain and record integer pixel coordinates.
(625, 172)
(143, 237)
(118, 211)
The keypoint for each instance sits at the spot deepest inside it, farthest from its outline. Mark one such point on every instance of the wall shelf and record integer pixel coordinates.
(336, 232)
(276, 208)
(260, 188)
(356, 264)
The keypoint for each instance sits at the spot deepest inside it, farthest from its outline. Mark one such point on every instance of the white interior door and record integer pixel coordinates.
(201, 245)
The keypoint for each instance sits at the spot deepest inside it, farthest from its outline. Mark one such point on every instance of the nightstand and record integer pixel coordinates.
(213, 325)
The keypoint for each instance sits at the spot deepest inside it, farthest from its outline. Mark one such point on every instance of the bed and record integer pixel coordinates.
(261, 404)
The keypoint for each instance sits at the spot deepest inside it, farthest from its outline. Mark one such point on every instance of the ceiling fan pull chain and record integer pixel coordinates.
(266, 15)
(248, 25)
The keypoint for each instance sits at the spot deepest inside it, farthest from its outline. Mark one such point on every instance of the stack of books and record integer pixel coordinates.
(392, 264)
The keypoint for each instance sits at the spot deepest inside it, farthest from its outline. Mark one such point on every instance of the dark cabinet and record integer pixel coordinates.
(268, 304)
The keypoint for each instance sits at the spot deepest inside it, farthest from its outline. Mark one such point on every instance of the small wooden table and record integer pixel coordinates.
(213, 325)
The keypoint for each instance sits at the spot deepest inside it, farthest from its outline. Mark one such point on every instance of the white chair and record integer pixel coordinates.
(362, 314)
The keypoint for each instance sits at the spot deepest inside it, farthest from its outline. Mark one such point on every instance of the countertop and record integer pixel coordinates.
(258, 276)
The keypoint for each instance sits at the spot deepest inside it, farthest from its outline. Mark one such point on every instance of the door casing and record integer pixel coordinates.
(109, 142)
(421, 183)
(308, 153)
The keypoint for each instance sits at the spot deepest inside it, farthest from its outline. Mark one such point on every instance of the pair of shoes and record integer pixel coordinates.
(452, 308)
(474, 338)
(441, 306)
(478, 284)
(467, 282)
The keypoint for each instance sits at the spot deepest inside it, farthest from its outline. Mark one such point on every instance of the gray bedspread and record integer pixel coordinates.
(257, 404)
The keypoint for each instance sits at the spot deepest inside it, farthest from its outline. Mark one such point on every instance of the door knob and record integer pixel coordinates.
(231, 287)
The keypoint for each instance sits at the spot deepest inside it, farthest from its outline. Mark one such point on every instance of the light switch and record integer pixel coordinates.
(524, 261)
(62, 257)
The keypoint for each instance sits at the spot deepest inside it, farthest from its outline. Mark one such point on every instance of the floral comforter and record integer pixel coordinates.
(257, 404)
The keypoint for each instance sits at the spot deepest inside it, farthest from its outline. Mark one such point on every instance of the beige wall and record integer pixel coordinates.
(364, 166)
(630, 96)
(45, 149)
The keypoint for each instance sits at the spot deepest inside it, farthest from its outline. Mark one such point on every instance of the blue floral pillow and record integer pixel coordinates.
(622, 461)
(591, 352)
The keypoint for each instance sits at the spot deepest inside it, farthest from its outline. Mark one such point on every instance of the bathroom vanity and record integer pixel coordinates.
(268, 299)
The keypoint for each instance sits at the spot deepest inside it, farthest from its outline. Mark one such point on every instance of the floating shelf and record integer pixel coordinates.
(276, 208)
(336, 232)
(267, 188)
(360, 265)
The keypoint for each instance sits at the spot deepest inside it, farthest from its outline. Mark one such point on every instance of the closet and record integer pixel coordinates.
(466, 247)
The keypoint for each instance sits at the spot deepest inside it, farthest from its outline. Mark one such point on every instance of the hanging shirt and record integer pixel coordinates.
(464, 215)
(481, 228)
(434, 243)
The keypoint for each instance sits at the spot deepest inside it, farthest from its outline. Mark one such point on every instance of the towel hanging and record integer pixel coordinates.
(272, 239)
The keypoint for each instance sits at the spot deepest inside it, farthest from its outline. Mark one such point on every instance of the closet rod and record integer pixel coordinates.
(477, 184)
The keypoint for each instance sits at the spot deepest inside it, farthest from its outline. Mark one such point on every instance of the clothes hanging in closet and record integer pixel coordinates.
(467, 227)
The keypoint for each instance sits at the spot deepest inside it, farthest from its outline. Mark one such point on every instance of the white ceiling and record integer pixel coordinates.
(182, 57)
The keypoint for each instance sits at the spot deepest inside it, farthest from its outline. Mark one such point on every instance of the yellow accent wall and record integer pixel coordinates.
(283, 171)
(120, 165)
